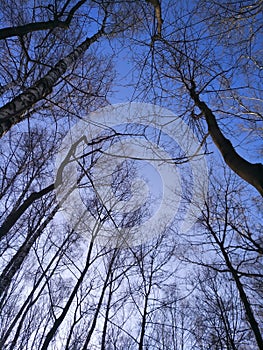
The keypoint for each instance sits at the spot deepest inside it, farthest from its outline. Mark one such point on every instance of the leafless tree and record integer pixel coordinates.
(63, 287)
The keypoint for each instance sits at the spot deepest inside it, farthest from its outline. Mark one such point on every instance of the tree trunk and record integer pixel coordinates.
(16, 262)
(16, 214)
(60, 319)
(243, 297)
(251, 173)
(14, 111)
(95, 318)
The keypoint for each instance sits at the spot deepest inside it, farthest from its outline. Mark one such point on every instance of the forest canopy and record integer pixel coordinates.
(196, 67)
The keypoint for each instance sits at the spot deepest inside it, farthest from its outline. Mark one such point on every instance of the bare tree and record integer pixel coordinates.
(85, 284)
(194, 61)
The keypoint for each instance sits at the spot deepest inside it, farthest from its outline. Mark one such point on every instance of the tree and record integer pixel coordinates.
(234, 257)
(190, 55)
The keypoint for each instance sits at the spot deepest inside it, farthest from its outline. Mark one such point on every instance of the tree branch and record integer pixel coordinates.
(15, 215)
(251, 173)
(33, 27)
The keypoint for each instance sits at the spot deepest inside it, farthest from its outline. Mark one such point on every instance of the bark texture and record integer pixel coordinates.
(14, 111)
(158, 14)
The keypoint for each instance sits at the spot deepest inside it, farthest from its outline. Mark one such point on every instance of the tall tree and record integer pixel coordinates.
(86, 284)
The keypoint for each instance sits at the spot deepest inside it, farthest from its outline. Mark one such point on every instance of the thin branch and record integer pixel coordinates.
(45, 25)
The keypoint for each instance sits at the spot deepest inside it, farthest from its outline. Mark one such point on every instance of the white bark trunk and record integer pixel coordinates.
(14, 111)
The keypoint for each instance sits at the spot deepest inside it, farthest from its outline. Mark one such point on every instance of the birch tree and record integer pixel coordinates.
(62, 287)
